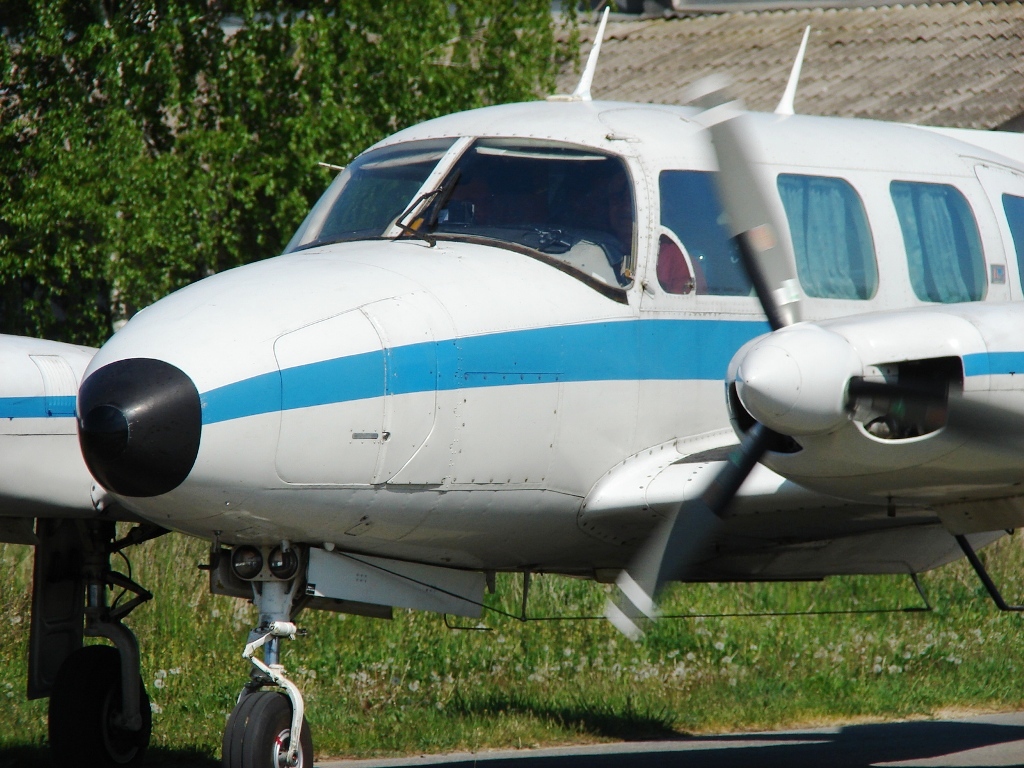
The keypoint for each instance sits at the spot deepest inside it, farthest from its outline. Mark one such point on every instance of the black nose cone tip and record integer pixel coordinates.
(139, 425)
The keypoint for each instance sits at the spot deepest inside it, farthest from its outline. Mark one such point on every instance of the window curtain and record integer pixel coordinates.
(1013, 207)
(940, 250)
(826, 223)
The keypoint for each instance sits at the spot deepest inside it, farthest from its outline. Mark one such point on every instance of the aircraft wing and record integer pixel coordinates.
(774, 529)
(42, 473)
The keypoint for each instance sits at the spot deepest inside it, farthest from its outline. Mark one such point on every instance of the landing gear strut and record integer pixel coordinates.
(261, 730)
(99, 712)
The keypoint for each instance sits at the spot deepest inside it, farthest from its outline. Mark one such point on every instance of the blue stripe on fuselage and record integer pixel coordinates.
(610, 351)
(37, 407)
(993, 363)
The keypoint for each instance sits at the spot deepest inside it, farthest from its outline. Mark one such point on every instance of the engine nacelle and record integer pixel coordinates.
(796, 382)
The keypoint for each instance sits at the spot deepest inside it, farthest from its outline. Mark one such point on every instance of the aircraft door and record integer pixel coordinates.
(1005, 192)
(332, 405)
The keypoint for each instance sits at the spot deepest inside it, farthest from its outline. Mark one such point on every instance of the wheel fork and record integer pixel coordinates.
(274, 600)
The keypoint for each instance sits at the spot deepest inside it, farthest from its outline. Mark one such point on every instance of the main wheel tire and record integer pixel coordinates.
(84, 703)
(258, 733)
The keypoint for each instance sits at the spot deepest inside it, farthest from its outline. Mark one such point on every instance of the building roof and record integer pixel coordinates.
(953, 64)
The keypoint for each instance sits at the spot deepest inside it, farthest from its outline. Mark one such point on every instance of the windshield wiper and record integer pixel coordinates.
(414, 232)
(441, 192)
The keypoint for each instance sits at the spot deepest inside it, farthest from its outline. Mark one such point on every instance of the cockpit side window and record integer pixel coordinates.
(690, 209)
(570, 204)
(366, 198)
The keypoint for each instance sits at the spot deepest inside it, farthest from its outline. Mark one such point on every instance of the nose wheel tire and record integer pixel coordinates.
(84, 706)
(258, 733)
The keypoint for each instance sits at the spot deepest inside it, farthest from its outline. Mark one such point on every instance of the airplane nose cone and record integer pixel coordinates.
(139, 425)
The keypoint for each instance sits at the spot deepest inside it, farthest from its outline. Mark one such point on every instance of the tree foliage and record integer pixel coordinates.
(146, 144)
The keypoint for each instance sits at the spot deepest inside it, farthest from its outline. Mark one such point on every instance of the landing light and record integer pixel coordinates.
(283, 563)
(247, 562)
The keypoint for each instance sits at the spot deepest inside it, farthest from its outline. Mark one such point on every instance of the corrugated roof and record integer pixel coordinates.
(958, 65)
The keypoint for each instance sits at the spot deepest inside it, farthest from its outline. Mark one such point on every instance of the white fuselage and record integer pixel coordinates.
(456, 403)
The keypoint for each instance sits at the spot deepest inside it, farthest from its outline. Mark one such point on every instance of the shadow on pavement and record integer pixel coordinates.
(35, 756)
(979, 743)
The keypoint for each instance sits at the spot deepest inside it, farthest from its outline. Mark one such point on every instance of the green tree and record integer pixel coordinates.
(145, 145)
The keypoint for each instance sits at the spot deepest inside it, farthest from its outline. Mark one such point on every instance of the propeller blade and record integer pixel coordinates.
(990, 426)
(759, 234)
(672, 549)
(680, 541)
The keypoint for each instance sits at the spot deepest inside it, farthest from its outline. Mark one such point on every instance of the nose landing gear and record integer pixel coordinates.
(259, 734)
(261, 729)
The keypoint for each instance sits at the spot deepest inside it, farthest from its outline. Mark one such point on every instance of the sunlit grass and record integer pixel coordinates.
(412, 685)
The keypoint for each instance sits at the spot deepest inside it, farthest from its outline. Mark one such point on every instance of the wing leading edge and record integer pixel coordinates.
(775, 529)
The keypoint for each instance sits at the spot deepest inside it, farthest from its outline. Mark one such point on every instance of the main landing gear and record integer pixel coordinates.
(99, 711)
(90, 713)
(261, 730)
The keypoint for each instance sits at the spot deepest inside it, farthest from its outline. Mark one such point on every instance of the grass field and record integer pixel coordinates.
(412, 685)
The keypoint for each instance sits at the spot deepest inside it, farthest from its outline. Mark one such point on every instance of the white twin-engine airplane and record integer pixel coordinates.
(526, 339)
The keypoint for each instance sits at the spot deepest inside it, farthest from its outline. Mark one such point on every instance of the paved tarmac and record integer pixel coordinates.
(970, 742)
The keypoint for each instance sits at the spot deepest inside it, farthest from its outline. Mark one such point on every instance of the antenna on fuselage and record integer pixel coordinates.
(786, 103)
(582, 92)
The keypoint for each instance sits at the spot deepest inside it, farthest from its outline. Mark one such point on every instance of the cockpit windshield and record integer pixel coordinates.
(367, 197)
(573, 205)
(567, 205)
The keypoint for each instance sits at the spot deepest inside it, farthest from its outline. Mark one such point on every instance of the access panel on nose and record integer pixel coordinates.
(332, 402)
(405, 326)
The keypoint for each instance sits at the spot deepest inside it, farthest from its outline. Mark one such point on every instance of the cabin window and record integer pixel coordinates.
(690, 209)
(572, 206)
(942, 242)
(1013, 206)
(366, 198)
(835, 258)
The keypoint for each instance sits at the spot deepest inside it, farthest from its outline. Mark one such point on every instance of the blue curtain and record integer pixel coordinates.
(835, 258)
(941, 240)
(1013, 207)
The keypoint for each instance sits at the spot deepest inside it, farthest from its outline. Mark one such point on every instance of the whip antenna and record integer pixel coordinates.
(786, 102)
(582, 91)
